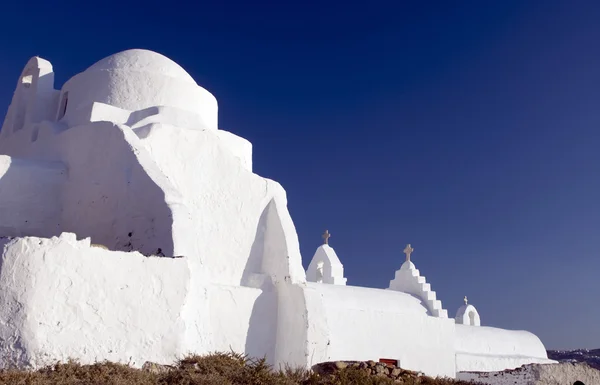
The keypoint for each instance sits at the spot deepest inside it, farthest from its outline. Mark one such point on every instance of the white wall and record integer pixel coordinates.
(30, 197)
(483, 348)
(239, 147)
(244, 319)
(110, 195)
(294, 321)
(369, 324)
(232, 210)
(61, 299)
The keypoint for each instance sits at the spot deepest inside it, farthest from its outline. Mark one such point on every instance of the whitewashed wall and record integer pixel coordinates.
(244, 319)
(61, 299)
(488, 349)
(369, 324)
(217, 187)
(30, 197)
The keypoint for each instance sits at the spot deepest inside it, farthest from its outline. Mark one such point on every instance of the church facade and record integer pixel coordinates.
(133, 229)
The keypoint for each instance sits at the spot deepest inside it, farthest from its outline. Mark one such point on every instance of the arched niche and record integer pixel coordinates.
(468, 315)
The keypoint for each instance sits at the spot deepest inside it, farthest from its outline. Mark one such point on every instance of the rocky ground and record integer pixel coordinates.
(231, 368)
(219, 369)
(574, 365)
(368, 367)
(562, 373)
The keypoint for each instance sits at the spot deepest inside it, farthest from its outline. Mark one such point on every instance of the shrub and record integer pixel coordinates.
(212, 369)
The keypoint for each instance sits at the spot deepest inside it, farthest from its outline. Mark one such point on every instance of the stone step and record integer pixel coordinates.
(430, 295)
(437, 304)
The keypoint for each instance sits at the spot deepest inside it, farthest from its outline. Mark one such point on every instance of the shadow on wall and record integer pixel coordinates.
(30, 197)
(262, 330)
(110, 197)
(257, 251)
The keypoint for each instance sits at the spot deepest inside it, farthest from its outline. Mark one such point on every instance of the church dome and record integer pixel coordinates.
(136, 80)
(144, 61)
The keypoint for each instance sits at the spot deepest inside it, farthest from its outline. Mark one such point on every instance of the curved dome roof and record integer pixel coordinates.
(464, 309)
(142, 60)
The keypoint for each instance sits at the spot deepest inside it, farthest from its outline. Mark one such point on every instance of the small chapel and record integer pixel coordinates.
(133, 229)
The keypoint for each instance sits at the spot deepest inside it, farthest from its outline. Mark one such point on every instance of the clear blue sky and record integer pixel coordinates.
(471, 131)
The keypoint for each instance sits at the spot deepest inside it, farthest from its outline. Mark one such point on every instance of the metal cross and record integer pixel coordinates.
(408, 251)
(466, 300)
(326, 237)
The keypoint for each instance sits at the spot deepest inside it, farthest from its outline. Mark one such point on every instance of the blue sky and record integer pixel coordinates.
(470, 130)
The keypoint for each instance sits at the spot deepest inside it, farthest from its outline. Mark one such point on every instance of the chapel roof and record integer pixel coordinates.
(142, 60)
(464, 309)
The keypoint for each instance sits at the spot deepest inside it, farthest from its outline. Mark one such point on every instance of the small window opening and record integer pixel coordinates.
(472, 318)
(27, 80)
(63, 106)
(34, 134)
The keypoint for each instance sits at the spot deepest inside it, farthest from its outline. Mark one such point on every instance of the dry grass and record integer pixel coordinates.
(214, 369)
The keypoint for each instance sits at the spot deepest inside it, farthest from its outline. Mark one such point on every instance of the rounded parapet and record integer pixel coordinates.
(487, 341)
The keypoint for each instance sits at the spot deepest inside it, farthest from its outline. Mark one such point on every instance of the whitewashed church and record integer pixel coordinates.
(133, 229)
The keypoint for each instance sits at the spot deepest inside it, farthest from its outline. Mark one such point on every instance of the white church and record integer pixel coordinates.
(133, 229)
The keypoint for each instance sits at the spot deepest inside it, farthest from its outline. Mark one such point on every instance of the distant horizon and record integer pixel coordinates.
(469, 131)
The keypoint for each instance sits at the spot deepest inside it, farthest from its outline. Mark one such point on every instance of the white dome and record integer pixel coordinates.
(144, 61)
(138, 79)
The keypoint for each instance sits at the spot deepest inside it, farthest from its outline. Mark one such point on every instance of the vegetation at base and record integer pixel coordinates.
(213, 369)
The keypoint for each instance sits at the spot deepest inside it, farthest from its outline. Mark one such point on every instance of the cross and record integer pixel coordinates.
(408, 251)
(326, 236)
(466, 300)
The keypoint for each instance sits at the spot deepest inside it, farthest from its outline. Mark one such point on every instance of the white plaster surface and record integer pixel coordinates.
(243, 320)
(30, 196)
(488, 349)
(138, 79)
(369, 324)
(61, 299)
(326, 260)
